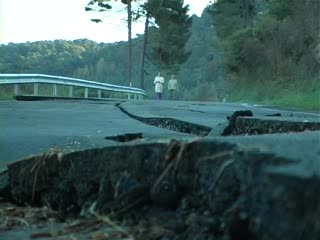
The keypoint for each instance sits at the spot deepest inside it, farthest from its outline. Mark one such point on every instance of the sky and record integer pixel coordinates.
(39, 20)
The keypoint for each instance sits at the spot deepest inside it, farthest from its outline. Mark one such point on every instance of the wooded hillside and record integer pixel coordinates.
(253, 50)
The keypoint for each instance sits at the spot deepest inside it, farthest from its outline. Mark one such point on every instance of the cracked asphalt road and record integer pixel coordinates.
(34, 127)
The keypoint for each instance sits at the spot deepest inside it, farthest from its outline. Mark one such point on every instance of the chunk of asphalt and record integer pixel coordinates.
(5, 191)
(243, 123)
(232, 121)
(273, 125)
(258, 182)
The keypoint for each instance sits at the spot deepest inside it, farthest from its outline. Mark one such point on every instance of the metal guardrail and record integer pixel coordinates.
(36, 79)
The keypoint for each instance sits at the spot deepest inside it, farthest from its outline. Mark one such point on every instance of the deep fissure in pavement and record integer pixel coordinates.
(200, 189)
(244, 123)
(240, 123)
(127, 137)
(172, 124)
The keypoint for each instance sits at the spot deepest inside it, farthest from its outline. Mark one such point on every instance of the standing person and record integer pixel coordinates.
(172, 86)
(159, 81)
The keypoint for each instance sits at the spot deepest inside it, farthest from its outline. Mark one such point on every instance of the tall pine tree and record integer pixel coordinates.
(232, 15)
(169, 40)
(104, 5)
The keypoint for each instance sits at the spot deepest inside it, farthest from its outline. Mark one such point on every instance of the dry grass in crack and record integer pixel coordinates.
(175, 159)
(224, 165)
(13, 216)
(54, 151)
(156, 232)
(108, 221)
(11, 222)
(80, 227)
(130, 206)
(217, 155)
(36, 167)
(222, 168)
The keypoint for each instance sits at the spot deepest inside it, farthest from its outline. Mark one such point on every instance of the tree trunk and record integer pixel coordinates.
(130, 43)
(144, 47)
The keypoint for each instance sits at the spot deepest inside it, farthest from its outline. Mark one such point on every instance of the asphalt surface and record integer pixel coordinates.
(34, 127)
(29, 128)
(206, 113)
(301, 149)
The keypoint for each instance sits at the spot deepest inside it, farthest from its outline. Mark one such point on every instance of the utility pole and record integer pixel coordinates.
(130, 43)
(144, 47)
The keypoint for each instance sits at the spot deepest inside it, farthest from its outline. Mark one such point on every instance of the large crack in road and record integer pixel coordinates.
(232, 187)
(241, 122)
(171, 124)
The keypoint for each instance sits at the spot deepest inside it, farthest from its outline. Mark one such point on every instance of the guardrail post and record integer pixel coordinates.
(86, 92)
(129, 96)
(70, 91)
(35, 89)
(55, 90)
(16, 89)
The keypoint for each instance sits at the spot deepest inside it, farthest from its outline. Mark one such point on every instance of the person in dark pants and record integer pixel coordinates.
(159, 81)
(173, 86)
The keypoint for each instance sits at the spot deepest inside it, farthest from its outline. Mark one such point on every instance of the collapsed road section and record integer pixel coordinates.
(215, 188)
(171, 124)
(233, 187)
(241, 122)
(244, 123)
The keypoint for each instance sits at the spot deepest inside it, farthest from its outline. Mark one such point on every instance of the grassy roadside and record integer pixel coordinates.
(6, 93)
(305, 98)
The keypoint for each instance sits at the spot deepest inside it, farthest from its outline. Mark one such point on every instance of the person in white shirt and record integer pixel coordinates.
(172, 86)
(159, 81)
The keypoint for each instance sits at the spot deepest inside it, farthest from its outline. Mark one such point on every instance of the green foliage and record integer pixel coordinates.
(98, 6)
(268, 57)
(279, 48)
(266, 27)
(80, 58)
(232, 15)
(282, 8)
(292, 96)
(169, 40)
(237, 53)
